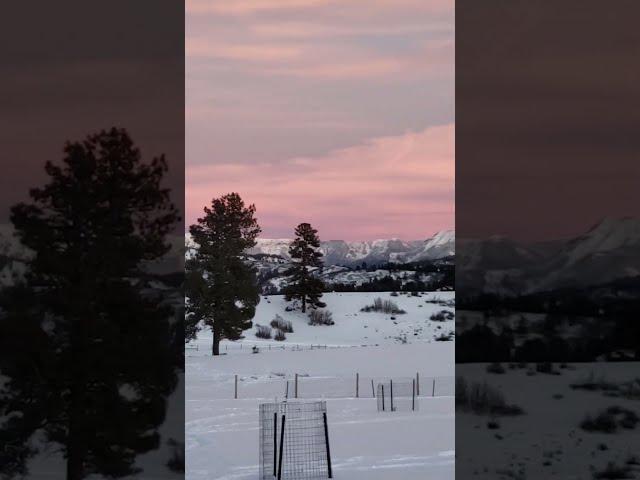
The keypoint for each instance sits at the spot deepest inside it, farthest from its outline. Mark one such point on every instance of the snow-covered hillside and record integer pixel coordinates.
(352, 326)
(222, 432)
(549, 440)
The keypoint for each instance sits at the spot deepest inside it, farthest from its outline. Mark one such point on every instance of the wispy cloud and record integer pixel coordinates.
(402, 185)
(256, 52)
(246, 7)
(303, 105)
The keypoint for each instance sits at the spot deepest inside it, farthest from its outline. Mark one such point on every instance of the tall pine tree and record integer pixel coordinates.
(85, 347)
(306, 257)
(221, 287)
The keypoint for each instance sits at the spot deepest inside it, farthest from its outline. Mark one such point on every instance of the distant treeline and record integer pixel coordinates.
(612, 308)
(442, 277)
(482, 344)
(617, 299)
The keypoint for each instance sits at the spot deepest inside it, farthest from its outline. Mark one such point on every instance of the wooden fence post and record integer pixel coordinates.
(413, 397)
(235, 389)
(296, 387)
(433, 392)
(357, 385)
(418, 383)
(373, 390)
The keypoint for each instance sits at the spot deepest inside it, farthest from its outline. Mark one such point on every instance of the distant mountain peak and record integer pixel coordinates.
(382, 250)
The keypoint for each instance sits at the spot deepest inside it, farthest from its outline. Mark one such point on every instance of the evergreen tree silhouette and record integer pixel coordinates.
(305, 255)
(221, 287)
(85, 347)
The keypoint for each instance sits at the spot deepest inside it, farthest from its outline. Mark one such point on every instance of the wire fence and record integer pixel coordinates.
(299, 386)
(394, 396)
(294, 441)
(202, 349)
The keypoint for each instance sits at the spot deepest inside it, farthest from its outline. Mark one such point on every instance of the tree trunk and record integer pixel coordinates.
(215, 346)
(75, 468)
(75, 445)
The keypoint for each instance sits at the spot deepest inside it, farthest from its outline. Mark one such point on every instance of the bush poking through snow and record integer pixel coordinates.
(496, 367)
(483, 399)
(629, 389)
(493, 425)
(442, 316)
(321, 317)
(263, 331)
(614, 472)
(281, 324)
(609, 420)
(384, 306)
(546, 367)
(445, 337)
(279, 336)
(633, 460)
(176, 461)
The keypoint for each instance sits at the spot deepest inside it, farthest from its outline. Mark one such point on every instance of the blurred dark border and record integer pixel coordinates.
(548, 239)
(71, 69)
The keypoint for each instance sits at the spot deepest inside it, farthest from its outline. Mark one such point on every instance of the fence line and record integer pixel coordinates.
(266, 347)
(307, 387)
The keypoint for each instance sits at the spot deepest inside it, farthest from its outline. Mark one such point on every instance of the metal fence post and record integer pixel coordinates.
(326, 439)
(235, 388)
(418, 383)
(296, 387)
(275, 443)
(357, 385)
(433, 392)
(281, 449)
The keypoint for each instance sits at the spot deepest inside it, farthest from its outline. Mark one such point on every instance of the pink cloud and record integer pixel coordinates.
(252, 7)
(271, 37)
(396, 186)
(258, 52)
(245, 7)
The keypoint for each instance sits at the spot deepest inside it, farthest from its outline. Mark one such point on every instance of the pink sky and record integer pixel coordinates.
(340, 114)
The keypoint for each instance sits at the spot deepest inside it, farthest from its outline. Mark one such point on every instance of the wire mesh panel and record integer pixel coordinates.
(395, 396)
(294, 441)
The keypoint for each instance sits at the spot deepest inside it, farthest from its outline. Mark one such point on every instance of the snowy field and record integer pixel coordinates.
(222, 432)
(352, 327)
(547, 440)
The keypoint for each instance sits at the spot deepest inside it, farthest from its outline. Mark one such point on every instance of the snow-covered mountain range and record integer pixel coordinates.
(608, 251)
(340, 252)
(355, 263)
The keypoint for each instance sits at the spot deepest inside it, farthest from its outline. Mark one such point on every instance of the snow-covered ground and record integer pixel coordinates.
(352, 327)
(222, 432)
(547, 441)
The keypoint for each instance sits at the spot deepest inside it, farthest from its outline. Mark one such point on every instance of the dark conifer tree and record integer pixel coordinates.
(306, 257)
(221, 286)
(86, 349)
